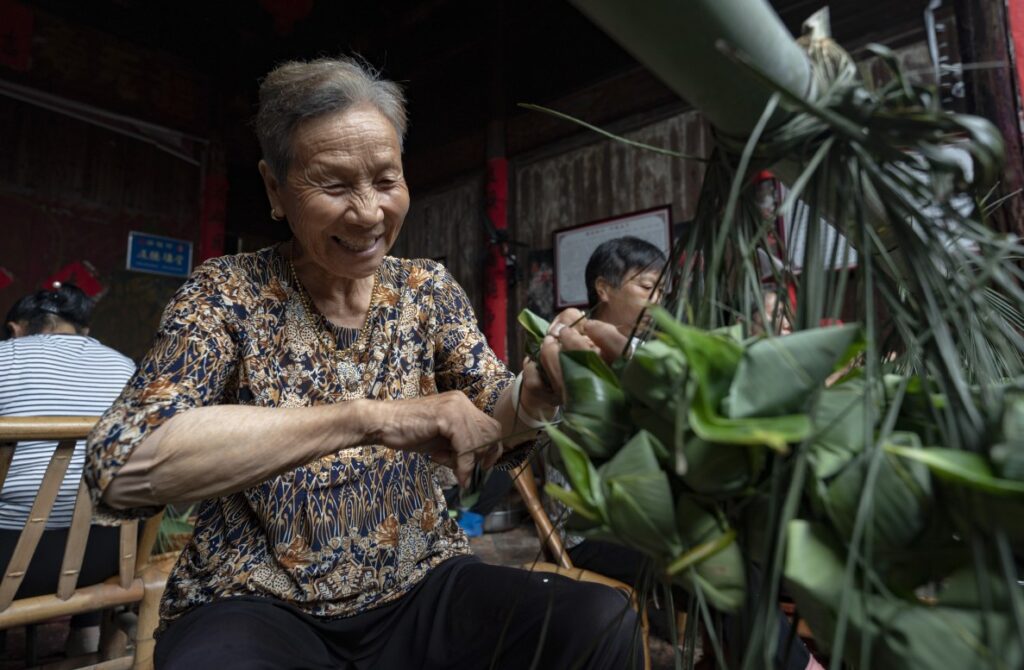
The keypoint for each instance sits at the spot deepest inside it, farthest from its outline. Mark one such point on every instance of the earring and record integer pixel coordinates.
(275, 216)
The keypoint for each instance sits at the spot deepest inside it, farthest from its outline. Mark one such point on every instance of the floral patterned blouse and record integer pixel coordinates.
(340, 535)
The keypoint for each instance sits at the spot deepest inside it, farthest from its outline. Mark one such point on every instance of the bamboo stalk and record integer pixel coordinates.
(677, 41)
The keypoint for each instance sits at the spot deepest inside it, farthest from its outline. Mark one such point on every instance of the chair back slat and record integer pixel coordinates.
(6, 455)
(129, 544)
(24, 428)
(37, 518)
(78, 538)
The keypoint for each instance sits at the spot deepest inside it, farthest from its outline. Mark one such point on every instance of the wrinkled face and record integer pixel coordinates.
(345, 196)
(621, 306)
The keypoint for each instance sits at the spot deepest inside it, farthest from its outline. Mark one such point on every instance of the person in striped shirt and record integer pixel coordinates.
(49, 366)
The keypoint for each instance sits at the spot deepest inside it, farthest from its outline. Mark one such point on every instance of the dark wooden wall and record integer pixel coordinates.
(448, 224)
(71, 191)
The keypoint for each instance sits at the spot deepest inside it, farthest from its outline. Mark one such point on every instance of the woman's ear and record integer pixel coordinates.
(603, 289)
(17, 328)
(273, 189)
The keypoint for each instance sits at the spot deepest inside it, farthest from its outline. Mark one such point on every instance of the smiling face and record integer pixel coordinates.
(345, 196)
(622, 305)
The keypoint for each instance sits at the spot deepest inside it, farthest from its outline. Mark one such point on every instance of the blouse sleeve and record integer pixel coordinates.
(189, 365)
(464, 361)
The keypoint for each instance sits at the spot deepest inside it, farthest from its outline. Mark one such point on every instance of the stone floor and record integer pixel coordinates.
(515, 547)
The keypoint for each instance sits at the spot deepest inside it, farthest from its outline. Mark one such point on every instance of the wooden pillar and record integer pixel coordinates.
(984, 34)
(495, 316)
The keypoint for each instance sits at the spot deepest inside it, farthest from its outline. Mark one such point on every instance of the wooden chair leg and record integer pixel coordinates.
(154, 578)
(113, 640)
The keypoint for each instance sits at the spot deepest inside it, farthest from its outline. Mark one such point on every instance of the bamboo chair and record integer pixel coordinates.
(551, 541)
(140, 580)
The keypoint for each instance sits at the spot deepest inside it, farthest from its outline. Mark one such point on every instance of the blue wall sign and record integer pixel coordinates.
(159, 255)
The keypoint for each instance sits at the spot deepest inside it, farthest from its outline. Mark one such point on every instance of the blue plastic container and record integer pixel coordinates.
(472, 523)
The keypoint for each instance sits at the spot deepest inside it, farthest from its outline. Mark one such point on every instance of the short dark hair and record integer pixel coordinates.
(616, 258)
(42, 309)
(297, 91)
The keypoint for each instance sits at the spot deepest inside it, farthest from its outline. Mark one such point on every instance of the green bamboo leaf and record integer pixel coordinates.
(712, 559)
(612, 136)
(633, 523)
(573, 501)
(894, 633)
(659, 427)
(712, 358)
(775, 432)
(534, 325)
(594, 363)
(839, 426)
(778, 375)
(1008, 456)
(902, 498)
(717, 469)
(591, 387)
(961, 467)
(580, 472)
(599, 437)
(637, 479)
(654, 376)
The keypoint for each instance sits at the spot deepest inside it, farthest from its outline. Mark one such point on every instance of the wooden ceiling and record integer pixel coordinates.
(463, 64)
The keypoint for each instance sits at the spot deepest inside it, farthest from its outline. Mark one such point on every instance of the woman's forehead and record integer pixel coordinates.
(359, 131)
(642, 274)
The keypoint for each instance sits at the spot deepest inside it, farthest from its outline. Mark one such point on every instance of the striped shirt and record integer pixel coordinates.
(53, 375)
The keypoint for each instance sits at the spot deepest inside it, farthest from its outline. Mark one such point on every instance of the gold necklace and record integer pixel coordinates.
(330, 342)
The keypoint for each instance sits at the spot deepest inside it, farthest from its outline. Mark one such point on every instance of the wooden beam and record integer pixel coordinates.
(982, 31)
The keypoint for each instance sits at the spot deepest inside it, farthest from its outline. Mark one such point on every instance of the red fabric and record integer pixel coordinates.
(6, 278)
(16, 27)
(212, 216)
(495, 318)
(1015, 21)
(80, 273)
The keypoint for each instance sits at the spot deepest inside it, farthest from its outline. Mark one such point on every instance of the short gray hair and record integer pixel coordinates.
(297, 91)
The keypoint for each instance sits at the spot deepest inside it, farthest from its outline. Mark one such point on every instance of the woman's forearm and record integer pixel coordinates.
(213, 451)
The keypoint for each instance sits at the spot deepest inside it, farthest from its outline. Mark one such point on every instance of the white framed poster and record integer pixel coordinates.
(573, 246)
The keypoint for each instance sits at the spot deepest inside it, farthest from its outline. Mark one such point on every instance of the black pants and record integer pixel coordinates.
(464, 614)
(99, 564)
(626, 565)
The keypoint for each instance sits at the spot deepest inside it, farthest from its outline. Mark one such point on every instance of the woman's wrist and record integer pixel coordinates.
(531, 417)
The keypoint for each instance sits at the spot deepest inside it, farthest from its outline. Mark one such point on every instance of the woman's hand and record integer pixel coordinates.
(447, 427)
(572, 331)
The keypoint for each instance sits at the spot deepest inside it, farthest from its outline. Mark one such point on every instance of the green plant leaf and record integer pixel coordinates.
(639, 483)
(591, 387)
(902, 498)
(632, 523)
(654, 376)
(774, 432)
(961, 467)
(573, 501)
(712, 358)
(717, 469)
(778, 375)
(895, 633)
(580, 472)
(535, 326)
(839, 426)
(600, 438)
(711, 559)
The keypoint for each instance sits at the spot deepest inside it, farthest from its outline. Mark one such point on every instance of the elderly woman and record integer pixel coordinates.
(309, 393)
